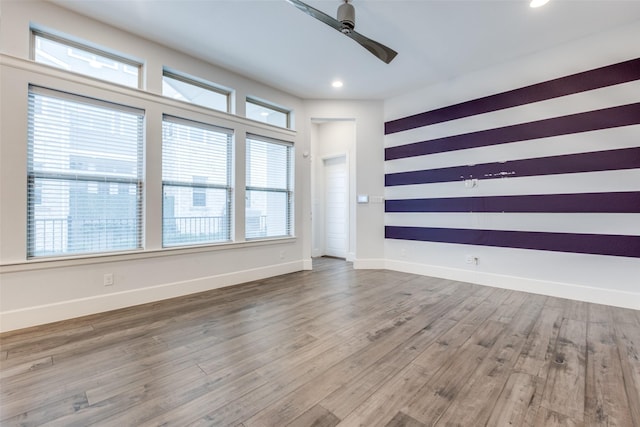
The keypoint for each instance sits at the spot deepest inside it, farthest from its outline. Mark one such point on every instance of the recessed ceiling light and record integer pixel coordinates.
(336, 83)
(538, 3)
(264, 114)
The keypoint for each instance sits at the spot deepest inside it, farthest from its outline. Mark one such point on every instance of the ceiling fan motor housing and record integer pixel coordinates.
(347, 17)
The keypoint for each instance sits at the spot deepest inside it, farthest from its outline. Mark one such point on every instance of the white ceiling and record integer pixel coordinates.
(273, 42)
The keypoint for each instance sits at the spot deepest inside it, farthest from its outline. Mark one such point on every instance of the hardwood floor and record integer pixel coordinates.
(334, 346)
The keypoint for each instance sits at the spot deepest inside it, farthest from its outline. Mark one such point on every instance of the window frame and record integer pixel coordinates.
(87, 47)
(201, 83)
(269, 106)
(34, 191)
(201, 186)
(289, 190)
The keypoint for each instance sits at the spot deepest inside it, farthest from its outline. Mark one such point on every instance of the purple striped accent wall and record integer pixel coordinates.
(593, 79)
(620, 202)
(596, 244)
(523, 126)
(626, 158)
(606, 118)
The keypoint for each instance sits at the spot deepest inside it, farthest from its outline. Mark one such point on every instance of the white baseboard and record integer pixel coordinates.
(39, 315)
(555, 289)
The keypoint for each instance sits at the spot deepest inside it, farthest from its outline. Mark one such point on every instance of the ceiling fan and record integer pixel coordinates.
(345, 24)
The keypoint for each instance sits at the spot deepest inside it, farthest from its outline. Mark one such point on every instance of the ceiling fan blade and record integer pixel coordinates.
(381, 51)
(319, 15)
(384, 53)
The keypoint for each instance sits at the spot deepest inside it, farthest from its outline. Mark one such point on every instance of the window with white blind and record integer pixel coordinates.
(196, 182)
(195, 91)
(68, 55)
(269, 195)
(84, 175)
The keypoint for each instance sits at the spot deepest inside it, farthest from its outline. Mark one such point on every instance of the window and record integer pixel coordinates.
(192, 90)
(269, 206)
(84, 175)
(196, 182)
(71, 56)
(264, 112)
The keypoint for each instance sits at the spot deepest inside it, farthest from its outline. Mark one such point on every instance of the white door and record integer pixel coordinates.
(335, 206)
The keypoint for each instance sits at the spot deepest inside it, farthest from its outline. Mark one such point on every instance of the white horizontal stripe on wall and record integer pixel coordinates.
(611, 96)
(587, 182)
(598, 140)
(585, 223)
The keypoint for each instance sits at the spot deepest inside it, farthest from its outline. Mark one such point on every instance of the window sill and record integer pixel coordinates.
(88, 259)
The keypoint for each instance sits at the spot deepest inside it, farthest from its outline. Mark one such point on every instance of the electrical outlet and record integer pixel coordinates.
(282, 254)
(108, 279)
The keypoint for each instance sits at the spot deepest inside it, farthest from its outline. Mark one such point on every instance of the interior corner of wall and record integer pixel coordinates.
(307, 264)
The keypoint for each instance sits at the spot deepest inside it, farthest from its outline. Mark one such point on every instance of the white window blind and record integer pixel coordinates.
(196, 181)
(269, 204)
(84, 175)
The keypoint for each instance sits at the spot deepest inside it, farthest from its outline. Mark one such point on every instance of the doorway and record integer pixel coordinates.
(332, 188)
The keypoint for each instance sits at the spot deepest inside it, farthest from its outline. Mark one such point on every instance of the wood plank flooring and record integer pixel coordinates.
(331, 347)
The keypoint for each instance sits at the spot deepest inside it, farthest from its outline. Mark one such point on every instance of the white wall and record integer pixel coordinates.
(604, 279)
(366, 241)
(38, 291)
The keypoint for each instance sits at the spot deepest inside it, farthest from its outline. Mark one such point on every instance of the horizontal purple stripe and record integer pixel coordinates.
(606, 118)
(597, 244)
(626, 158)
(593, 79)
(621, 202)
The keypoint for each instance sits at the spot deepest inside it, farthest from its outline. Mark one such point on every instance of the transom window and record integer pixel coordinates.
(195, 91)
(84, 175)
(71, 56)
(267, 113)
(269, 192)
(196, 182)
